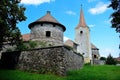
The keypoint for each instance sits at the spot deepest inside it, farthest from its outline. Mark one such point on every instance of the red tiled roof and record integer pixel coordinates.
(69, 43)
(48, 18)
(118, 59)
(26, 37)
(82, 22)
(93, 46)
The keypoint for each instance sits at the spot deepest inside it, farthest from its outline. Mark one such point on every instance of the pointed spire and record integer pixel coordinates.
(82, 22)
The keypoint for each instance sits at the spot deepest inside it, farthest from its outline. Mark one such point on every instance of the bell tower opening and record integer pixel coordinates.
(81, 32)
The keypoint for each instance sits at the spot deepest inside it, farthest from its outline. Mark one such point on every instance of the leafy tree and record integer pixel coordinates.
(103, 58)
(11, 12)
(115, 5)
(110, 60)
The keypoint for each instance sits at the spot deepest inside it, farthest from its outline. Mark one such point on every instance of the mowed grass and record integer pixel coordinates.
(104, 72)
(20, 75)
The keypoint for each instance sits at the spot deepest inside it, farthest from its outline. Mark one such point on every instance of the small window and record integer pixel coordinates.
(41, 24)
(81, 32)
(48, 33)
(54, 25)
(83, 53)
(95, 56)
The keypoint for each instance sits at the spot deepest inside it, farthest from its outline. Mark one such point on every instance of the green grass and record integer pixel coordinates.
(20, 75)
(96, 73)
(87, 73)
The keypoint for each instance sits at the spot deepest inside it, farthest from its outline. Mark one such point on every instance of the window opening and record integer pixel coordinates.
(48, 33)
(81, 32)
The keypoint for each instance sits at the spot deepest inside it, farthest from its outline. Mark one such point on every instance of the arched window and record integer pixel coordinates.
(95, 56)
(48, 34)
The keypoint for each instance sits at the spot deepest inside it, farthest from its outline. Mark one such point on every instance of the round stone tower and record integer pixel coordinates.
(47, 29)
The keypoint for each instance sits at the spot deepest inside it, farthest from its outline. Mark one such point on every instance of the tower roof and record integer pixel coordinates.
(94, 47)
(48, 18)
(82, 22)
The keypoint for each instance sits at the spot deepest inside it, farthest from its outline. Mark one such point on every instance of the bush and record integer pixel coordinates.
(110, 60)
(103, 58)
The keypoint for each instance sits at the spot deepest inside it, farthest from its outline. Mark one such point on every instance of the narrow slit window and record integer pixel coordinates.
(48, 33)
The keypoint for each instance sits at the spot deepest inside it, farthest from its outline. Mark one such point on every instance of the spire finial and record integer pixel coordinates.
(48, 12)
(81, 5)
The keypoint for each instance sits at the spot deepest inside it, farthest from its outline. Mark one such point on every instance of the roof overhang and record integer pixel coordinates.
(47, 22)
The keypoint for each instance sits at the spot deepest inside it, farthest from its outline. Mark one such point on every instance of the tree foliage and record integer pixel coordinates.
(11, 12)
(115, 5)
(110, 60)
(103, 58)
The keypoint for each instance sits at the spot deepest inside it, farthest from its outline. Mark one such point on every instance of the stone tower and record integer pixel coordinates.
(82, 38)
(47, 29)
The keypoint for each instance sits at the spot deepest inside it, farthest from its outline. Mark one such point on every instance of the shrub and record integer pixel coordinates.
(103, 58)
(110, 60)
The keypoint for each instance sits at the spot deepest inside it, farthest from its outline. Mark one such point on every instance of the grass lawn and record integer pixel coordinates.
(104, 72)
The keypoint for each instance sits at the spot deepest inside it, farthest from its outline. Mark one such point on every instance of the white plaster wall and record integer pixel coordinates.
(83, 40)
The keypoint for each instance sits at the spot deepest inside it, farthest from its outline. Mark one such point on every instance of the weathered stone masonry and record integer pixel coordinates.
(55, 60)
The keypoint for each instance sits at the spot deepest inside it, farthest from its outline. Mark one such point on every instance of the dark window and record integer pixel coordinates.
(53, 25)
(83, 53)
(95, 56)
(81, 32)
(41, 24)
(48, 33)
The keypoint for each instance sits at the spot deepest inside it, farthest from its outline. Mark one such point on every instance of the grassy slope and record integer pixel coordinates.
(87, 73)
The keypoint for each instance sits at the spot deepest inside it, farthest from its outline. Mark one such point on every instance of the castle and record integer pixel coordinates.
(48, 29)
(56, 57)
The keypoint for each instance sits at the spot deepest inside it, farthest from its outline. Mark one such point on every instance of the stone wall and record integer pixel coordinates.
(38, 33)
(99, 62)
(74, 61)
(56, 60)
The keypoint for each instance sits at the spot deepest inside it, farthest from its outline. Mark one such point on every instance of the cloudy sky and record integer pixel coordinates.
(67, 12)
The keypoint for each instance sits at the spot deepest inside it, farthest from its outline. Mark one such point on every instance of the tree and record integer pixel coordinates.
(103, 58)
(110, 60)
(115, 5)
(11, 12)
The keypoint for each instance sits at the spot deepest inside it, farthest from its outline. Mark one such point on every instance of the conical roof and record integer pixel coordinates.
(48, 18)
(82, 22)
